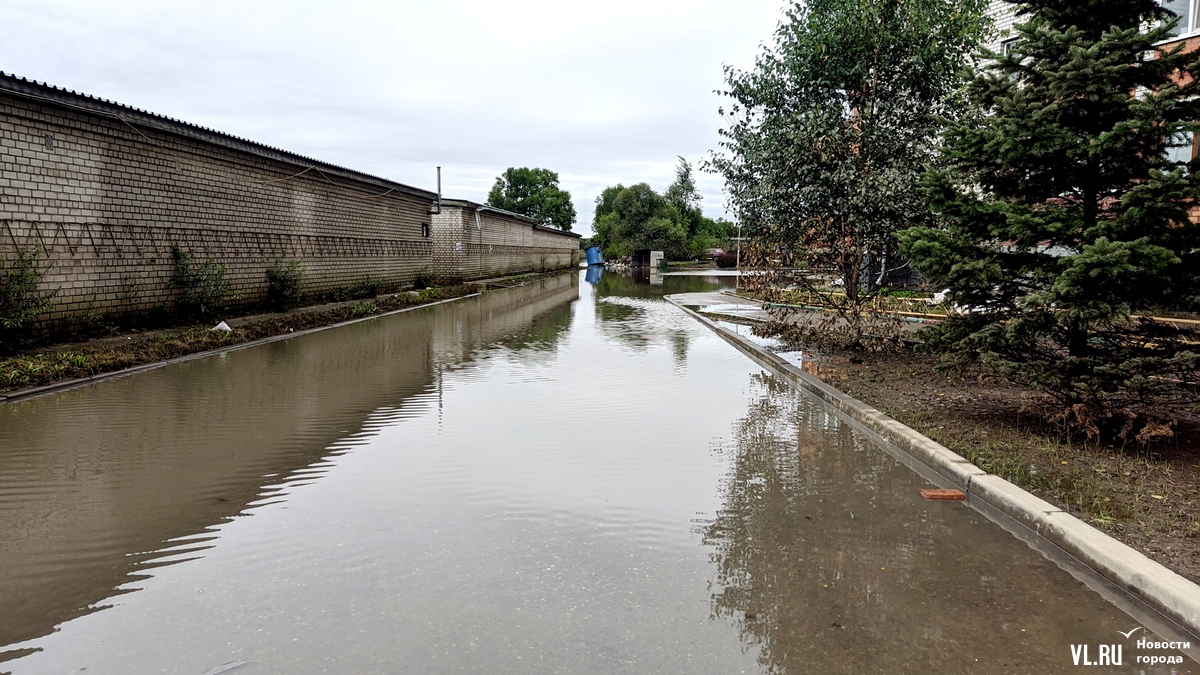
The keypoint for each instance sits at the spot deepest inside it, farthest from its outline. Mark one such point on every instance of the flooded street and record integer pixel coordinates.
(564, 477)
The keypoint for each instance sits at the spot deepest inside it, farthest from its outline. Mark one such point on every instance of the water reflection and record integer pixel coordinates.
(517, 483)
(626, 298)
(100, 484)
(828, 561)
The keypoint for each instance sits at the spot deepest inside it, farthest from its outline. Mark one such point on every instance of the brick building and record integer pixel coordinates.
(474, 241)
(1187, 33)
(102, 191)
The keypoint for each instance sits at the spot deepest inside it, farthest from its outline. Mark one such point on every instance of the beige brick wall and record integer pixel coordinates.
(102, 200)
(495, 245)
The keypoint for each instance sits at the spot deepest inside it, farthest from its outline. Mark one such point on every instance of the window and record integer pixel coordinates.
(1180, 147)
(1189, 17)
(424, 229)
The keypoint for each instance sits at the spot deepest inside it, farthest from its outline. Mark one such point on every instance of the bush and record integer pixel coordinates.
(20, 300)
(201, 285)
(424, 279)
(367, 287)
(283, 284)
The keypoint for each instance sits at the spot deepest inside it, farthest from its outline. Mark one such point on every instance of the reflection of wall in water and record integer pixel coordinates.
(96, 474)
(504, 317)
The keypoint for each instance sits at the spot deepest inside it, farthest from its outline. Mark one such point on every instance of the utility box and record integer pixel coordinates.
(646, 258)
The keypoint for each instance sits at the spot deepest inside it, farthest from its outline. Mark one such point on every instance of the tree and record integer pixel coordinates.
(683, 191)
(829, 136)
(1061, 214)
(636, 218)
(534, 193)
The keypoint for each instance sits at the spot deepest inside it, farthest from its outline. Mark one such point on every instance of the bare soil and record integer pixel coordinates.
(1149, 498)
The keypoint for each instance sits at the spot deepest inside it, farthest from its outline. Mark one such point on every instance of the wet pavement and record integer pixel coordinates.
(564, 477)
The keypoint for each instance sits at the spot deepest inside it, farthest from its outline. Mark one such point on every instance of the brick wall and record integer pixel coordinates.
(102, 191)
(475, 242)
(1004, 17)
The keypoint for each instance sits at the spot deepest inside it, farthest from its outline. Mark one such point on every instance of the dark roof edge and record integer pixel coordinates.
(468, 204)
(45, 93)
(555, 230)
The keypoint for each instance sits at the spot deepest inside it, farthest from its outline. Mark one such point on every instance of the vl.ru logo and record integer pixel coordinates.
(1105, 655)
(1113, 655)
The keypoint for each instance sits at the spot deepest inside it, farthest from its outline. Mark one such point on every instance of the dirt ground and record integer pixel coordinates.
(1147, 498)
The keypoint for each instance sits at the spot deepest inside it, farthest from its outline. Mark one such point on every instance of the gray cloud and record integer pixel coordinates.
(600, 92)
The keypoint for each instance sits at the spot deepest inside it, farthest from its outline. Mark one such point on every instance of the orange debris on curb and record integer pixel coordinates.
(943, 495)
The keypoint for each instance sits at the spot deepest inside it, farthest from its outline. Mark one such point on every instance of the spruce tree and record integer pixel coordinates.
(1062, 215)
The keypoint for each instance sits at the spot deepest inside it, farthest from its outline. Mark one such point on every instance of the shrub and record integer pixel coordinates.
(283, 283)
(201, 285)
(367, 287)
(424, 279)
(20, 300)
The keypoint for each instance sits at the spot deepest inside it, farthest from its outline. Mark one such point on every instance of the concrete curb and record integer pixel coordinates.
(1162, 590)
(23, 394)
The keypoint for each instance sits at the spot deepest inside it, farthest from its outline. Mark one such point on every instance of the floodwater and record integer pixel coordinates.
(557, 478)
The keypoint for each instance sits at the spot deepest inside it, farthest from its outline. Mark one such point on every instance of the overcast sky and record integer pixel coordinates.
(601, 92)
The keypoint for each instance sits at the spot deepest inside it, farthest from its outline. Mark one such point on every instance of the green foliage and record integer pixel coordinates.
(367, 287)
(424, 279)
(201, 286)
(363, 308)
(633, 218)
(534, 193)
(284, 280)
(830, 134)
(20, 300)
(1060, 214)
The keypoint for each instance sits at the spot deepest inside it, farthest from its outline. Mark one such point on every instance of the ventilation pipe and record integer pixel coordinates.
(439, 198)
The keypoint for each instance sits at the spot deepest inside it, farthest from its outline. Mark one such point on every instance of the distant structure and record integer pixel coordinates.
(1187, 33)
(475, 241)
(103, 191)
(1004, 17)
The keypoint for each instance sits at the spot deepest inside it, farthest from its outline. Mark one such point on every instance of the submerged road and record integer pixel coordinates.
(564, 477)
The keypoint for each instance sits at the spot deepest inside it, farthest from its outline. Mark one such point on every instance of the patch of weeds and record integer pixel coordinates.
(23, 370)
(20, 300)
(201, 285)
(367, 287)
(424, 279)
(284, 280)
(1069, 486)
(364, 308)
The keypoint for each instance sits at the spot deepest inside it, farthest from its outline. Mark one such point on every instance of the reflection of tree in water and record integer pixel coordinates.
(679, 347)
(625, 285)
(827, 561)
(625, 316)
(751, 558)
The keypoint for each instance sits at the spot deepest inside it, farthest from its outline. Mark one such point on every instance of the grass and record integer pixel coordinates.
(1042, 467)
(32, 370)
(1108, 488)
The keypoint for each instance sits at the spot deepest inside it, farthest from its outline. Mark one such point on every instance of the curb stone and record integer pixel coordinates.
(23, 394)
(1162, 590)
